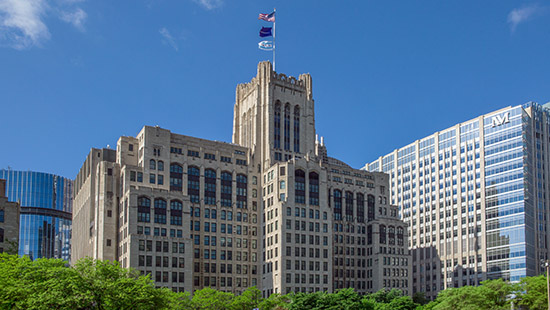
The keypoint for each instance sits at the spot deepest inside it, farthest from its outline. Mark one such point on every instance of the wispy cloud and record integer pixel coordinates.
(22, 23)
(523, 14)
(168, 39)
(210, 4)
(76, 18)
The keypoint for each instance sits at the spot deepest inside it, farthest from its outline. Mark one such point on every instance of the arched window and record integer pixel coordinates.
(297, 129)
(349, 206)
(382, 234)
(160, 211)
(227, 189)
(300, 186)
(337, 204)
(287, 127)
(160, 165)
(210, 187)
(313, 188)
(176, 177)
(400, 236)
(152, 164)
(144, 209)
(391, 235)
(370, 207)
(360, 202)
(176, 208)
(242, 185)
(193, 184)
(277, 126)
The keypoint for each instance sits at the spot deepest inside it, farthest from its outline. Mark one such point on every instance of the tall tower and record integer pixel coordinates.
(274, 116)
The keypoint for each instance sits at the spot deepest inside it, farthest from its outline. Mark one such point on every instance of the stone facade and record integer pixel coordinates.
(270, 210)
(9, 222)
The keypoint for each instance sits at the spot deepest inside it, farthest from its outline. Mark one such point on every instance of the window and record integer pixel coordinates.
(337, 204)
(144, 209)
(225, 159)
(370, 207)
(297, 129)
(382, 234)
(1, 216)
(152, 164)
(160, 179)
(152, 178)
(176, 208)
(300, 186)
(242, 185)
(360, 202)
(349, 206)
(277, 126)
(193, 183)
(209, 156)
(287, 127)
(140, 177)
(241, 162)
(313, 188)
(210, 187)
(192, 153)
(160, 165)
(226, 189)
(160, 211)
(176, 177)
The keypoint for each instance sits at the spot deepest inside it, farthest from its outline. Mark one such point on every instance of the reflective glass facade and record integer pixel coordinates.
(46, 211)
(475, 198)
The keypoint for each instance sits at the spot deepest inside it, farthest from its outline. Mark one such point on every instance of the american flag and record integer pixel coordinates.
(267, 17)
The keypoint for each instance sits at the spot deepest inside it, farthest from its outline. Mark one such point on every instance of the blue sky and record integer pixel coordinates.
(76, 74)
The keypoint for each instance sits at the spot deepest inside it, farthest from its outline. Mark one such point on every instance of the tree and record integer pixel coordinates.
(211, 299)
(532, 293)
(275, 302)
(420, 298)
(249, 299)
(52, 284)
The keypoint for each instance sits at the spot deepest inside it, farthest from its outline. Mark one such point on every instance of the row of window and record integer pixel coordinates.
(286, 125)
(157, 231)
(161, 246)
(161, 261)
(160, 212)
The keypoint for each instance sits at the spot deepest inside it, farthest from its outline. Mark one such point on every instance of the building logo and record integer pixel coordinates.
(501, 119)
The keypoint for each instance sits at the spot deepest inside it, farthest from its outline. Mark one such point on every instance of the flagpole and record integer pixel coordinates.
(274, 22)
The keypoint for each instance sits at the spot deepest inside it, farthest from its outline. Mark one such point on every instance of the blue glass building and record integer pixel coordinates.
(475, 198)
(46, 212)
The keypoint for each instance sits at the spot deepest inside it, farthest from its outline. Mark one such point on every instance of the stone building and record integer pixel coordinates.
(9, 222)
(270, 209)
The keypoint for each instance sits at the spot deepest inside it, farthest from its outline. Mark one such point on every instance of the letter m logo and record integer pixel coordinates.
(501, 119)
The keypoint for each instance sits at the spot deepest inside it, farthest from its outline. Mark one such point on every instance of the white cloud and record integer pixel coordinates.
(210, 4)
(75, 18)
(168, 39)
(520, 15)
(21, 24)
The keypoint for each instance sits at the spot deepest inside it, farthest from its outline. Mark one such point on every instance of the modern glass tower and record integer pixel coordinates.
(46, 211)
(475, 198)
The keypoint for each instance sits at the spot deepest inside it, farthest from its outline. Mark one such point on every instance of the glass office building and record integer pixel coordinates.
(46, 212)
(474, 196)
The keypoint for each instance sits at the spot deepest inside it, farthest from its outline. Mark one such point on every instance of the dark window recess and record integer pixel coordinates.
(242, 185)
(226, 189)
(176, 177)
(193, 184)
(313, 188)
(300, 186)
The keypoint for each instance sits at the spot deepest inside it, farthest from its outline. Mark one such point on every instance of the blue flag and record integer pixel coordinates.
(266, 32)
